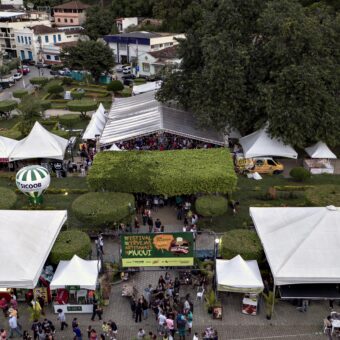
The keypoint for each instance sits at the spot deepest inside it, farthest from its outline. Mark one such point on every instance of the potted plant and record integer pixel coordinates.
(269, 301)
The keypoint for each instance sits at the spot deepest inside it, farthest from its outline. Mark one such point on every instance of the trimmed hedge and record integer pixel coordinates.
(39, 81)
(45, 104)
(69, 120)
(103, 208)
(55, 89)
(81, 106)
(77, 95)
(69, 243)
(8, 105)
(241, 242)
(7, 198)
(211, 205)
(171, 173)
(300, 174)
(20, 93)
(323, 195)
(115, 86)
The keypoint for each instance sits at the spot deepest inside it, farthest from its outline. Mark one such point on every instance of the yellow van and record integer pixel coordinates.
(262, 165)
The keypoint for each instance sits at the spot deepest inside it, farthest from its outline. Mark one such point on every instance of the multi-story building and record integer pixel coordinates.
(71, 13)
(44, 43)
(14, 3)
(127, 47)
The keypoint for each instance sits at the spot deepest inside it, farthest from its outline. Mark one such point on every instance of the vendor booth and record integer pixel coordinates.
(319, 161)
(302, 248)
(240, 276)
(75, 281)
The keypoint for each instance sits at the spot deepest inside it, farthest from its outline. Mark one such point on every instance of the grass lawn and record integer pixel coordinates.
(251, 193)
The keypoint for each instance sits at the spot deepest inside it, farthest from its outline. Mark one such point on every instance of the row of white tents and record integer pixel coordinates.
(40, 143)
(259, 144)
(97, 124)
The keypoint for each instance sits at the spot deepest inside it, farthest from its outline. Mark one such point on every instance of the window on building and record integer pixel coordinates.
(30, 40)
(56, 58)
(18, 38)
(46, 38)
(58, 20)
(146, 67)
(59, 37)
(65, 20)
(123, 47)
(26, 41)
(69, 36)
(54, 38)
(71, 21)
(75, 35)
(48, 57)
(152, 46)
(22, 39)
(160, 45)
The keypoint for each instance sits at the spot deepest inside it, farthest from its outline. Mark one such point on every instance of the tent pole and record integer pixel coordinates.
(273, 302)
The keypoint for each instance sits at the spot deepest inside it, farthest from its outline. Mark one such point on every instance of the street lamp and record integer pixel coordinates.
(216, 244)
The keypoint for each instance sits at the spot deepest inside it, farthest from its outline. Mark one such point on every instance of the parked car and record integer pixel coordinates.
(17, 76)
(129, 76)
(65, 72)
(28, 62)
(23, 70)
(127, 69)
(9, 79)
(54, 73)
(119, 68)
(262, 165)
(128, 82)
(6, 84)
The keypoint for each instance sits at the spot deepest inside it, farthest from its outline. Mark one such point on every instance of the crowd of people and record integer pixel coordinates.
(163, 141)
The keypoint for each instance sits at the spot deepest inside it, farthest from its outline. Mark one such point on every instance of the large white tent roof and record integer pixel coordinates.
(238, 275)
(40, 143)
(76, 272)
(27, 239)
(97, 124)
(143, 115)
(320, 150)
(6, 146)
(259, 143)
(302, 245)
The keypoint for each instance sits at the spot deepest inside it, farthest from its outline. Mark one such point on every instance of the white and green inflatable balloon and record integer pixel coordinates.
(33, 180)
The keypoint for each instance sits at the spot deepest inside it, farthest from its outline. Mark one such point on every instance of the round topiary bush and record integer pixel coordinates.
(103, 208)
(40, 81)
(55, 89)
(82, 106)
(69, 243)
(211, 206)
(241, 242)
(115, 86)
(300, 174)
(8, 198)
(20, 93)
(7, 106)
(323, 195)
(69, 120)
(77, 94)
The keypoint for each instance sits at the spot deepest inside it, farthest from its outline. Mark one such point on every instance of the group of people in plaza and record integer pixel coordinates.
(163, 141)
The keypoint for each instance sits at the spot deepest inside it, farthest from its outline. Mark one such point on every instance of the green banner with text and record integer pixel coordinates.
(155, 250)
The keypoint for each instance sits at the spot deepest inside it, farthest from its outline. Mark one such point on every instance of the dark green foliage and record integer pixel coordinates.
(77, 95)
(30, 110)
(266, 61)
(69, 120)
(45, 104)
(82, 106)
(324, 195)
(92, 56)
(164, 172)
(241, 242)
(69, 243)
(67, 81)
(7, 106)
(55, 89)
(211, 205)
(300, 174)
(115, 86)
(103, 208)
(40, 81)
(132, 8)
(20, 93)
(7, 198)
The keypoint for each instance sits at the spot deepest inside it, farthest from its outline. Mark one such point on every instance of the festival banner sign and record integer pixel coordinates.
(157, 250)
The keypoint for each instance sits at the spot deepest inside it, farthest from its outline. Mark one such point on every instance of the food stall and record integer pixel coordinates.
(320, 159)
(74, 282)
(240, 276)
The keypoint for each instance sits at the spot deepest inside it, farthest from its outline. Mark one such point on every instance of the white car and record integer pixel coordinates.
(119, 68)
(127, 69)
(17, 76)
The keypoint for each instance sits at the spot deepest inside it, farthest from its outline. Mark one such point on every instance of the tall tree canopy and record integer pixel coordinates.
(92, 56)
(132, 8)
(248, 62)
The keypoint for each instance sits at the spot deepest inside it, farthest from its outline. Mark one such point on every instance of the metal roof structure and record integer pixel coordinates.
(143, 115)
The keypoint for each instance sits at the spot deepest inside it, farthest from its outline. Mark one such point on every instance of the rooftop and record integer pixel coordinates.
(166, 53)
(73, 5)
(142, 34)
(43, 29)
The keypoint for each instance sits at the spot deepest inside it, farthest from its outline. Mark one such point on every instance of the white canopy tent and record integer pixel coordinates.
(301, 244)
(114, 147)
(259, 144)
(30, 236)
(40, 143)
(239, 276)
(147, 87)
(76, 272)
(97, 124)
(6, 147)
(320, 150)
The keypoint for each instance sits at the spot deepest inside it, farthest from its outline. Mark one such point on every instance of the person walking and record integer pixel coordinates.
(145, 308)
(13, 326)
(96, 311)
(158, 224)
(150, 224)
(36, 325)
(139, 310)
(77, 333)
(181, 324)
(62, 319)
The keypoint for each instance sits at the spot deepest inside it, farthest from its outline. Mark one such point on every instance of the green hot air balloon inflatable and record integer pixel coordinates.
(33, 180)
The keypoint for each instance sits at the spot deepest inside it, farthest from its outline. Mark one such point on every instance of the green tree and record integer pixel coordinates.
(30, 111)
(211, 205)
(55, 89)
(82, 106)
(115, 86)
(6, 106)
(132, 8)
(92, 56)
(20, 93)
(265, 61)
(99, 22)
(39, 81)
